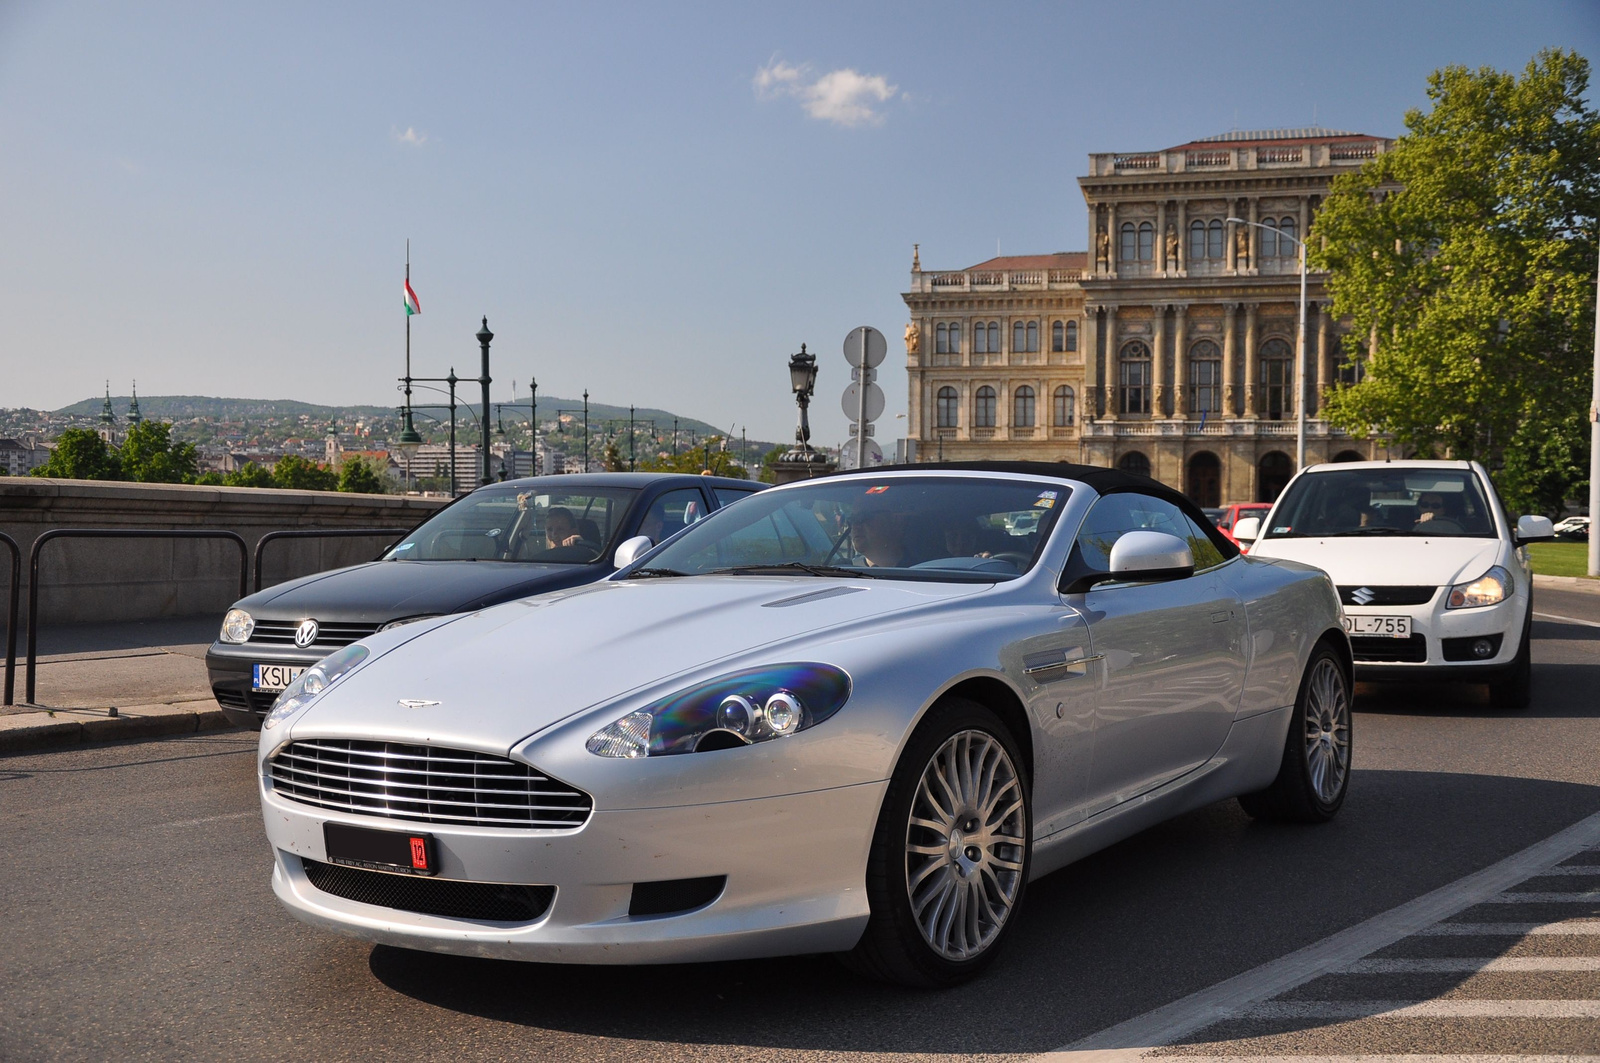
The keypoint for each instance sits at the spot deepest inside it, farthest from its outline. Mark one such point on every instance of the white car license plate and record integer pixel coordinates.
(1396, 627)
(272, 677)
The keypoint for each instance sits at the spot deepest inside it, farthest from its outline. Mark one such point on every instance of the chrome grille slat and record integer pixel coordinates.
(423, 785)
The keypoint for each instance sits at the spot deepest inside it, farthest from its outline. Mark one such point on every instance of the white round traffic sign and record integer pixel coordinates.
(851, 403)
(865, 344)
(847, 456)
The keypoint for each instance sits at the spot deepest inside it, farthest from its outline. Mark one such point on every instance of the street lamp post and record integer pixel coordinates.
(803, 381)
(1299, 346)
(452, 380)
(484, 336)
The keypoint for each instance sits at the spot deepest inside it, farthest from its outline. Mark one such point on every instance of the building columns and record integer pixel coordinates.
(1182, 264)
(1252, 362)
(1089, 343)
(1161, 239)
(1158, 363)
(1112, 365)
(1230, 359)
(1180, 360)
(1255, 235)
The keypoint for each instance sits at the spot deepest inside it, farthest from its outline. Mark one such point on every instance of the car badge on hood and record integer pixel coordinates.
(1362, 595)
(416, 703)
(306, 633)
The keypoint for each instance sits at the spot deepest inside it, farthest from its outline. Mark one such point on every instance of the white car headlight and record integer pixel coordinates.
(313, 681)
(1491, 588)
(237, 626)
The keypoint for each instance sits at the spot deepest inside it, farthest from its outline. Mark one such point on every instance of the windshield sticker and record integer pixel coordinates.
(1281, 530)
(1044, 503)
(404, 546)
(880, 489)
(1048, 494)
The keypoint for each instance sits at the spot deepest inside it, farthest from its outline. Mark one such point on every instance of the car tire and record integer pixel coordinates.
(1314, 774)
(1514, 689)
(942, 909)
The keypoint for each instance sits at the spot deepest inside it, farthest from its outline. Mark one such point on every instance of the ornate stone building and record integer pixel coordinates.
(1168, 349)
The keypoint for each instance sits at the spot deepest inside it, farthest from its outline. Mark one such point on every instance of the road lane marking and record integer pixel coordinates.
(1408, 1057)
(1569, 926)
(1557, 872)
(1172, 1022)
(1586, 897)
(1565, 619)
(1474, 964)
(1425, 1009)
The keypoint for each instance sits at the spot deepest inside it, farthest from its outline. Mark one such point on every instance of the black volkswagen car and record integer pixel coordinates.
(501, 542)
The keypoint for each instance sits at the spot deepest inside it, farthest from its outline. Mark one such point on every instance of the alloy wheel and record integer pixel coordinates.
(1327, 730)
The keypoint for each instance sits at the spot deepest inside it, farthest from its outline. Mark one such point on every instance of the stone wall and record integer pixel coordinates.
(135, 579)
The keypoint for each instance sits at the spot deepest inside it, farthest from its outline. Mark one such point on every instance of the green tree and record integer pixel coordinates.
(297, 474)
(360, 477)
(770, 459)
(1466, 256)
(81, 454)
(708, 456)
(149, 455)
(249, 475)
(611, 459)
(210, 479)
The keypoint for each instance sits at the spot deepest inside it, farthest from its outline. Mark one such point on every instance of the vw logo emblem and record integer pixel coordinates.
(305, 634)
(1362, 595)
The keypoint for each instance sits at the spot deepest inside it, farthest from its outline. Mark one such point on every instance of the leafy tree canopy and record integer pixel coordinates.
(249, 475)
(1467, 255)
(297, 474)
(150, 456)
(81, 454)
(359, 476)
(708, 456)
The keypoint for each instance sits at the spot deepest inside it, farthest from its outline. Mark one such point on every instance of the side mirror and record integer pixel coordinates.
(631, 550)
(1248, 529)
(1533, 529)
(1151, 555)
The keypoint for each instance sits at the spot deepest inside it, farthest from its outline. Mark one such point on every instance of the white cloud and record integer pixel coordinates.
(411, 136)
(844, 97)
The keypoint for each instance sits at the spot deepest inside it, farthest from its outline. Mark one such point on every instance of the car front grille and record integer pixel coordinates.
(330, 635)
(492, 902)
(1376, 648)
(254, 701)
(423, 784)
(1370, 595)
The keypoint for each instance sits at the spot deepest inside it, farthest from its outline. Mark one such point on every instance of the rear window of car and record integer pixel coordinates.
(1389, 501)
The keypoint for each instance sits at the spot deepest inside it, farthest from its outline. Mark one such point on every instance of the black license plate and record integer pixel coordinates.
(379, 850)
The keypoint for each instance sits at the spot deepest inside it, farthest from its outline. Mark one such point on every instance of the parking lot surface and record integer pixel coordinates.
(141, 925)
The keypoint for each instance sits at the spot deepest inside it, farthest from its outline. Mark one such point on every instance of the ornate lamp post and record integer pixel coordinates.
(803, 381)
(484, 337)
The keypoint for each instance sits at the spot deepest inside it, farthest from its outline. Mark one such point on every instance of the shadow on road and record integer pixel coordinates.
(1166, 913)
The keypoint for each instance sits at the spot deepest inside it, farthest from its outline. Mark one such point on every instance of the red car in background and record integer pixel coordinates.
(1231, 514)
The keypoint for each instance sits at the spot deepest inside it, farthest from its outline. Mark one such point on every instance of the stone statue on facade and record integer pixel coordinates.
(1102, 249)
(913, 337)
(1241, 248)
(1172, 247)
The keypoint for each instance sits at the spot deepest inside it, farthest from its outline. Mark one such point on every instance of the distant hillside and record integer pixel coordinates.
(189, 407)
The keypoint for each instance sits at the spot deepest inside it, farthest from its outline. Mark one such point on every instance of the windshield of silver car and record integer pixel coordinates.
(554, 527)
(1382, 502)
(909, 528)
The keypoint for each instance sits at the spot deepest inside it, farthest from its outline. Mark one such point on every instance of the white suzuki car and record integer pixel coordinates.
(1430, 570)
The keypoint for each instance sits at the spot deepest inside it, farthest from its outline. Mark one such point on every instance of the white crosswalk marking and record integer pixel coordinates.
(1426, 1009)
(1569, 926)
(1470, 964)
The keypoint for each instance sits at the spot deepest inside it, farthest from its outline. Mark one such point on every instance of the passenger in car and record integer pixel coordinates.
(561, 528)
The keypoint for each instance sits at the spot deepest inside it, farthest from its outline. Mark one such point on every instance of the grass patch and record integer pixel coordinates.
(1559, 559)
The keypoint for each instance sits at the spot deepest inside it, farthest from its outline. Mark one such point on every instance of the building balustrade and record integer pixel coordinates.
(1109, 164)
(1034, 280)
(1238, 428)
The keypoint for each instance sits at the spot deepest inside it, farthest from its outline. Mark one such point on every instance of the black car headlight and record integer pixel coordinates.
(755, 705)
(313, 681)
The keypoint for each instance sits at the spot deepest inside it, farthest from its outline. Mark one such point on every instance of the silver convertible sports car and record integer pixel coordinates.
(855, 714)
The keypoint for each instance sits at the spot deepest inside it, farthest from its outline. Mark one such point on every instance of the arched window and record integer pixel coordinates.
(1269, 239)
(1033, 337)
(1273, 473)
(1072, 335)
(1066, 407)
(1214, 239)
(949, 408)
(1134, 462)
(1202, 480)
(1147, 241)
(983, 408)
(1288, 226)
(1019, 337)
(1205, 379)
(1197, 241)
(941, 344)
(1058, 337)
(1129, 251)
(1276, 388)
(1135, 377)
(1022, 407)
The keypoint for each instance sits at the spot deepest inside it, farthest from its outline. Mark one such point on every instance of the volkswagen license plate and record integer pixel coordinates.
(274, 677)
(1395, 627)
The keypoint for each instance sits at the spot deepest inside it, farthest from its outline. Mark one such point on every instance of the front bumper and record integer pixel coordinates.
(231, 669)
(795, 870)
(1441, 640)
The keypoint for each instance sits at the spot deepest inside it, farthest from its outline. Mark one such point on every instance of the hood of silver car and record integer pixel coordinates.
(502, 674)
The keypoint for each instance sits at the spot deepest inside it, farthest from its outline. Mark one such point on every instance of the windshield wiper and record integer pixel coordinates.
(793, 566)
(648, 573)
(1358, 531)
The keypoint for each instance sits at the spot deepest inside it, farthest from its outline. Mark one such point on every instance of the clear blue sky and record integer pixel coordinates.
(658, 203)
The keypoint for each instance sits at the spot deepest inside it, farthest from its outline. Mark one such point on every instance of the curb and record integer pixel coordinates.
(44, 731)
(1568, 583)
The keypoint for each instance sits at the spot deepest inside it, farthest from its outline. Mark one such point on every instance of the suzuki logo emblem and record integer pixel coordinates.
(1363, 595)
(305, 634)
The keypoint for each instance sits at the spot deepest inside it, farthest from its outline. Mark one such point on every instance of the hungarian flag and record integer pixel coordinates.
(412, 306)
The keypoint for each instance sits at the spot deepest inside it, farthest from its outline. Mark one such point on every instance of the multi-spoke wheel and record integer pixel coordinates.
(1314, 773)
(950, 855)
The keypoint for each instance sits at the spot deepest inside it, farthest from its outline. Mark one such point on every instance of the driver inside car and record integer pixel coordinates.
(878, 535)
(561, 529)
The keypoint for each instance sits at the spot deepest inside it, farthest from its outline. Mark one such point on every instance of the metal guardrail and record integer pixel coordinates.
(320, 533)
(110, 533)
(11, 617)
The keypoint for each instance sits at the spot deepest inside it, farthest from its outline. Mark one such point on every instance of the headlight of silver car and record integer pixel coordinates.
(237, 626)
(313, 681)
(1491, 588)
(755, 705)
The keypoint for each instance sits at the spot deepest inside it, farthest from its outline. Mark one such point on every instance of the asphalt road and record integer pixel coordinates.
(139, 923)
